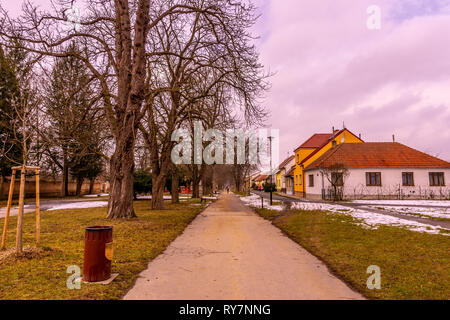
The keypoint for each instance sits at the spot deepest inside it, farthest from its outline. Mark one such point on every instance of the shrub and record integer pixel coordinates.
(270, 187)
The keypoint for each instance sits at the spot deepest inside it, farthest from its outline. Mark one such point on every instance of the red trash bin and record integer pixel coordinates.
(97, 253)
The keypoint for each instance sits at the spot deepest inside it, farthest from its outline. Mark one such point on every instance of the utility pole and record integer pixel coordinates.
(271, 173)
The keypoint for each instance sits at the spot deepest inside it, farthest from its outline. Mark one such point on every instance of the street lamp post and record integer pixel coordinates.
(271, 173)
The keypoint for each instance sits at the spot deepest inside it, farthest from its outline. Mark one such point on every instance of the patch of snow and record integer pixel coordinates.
(368, 219)
(79, 205)
(150, 197)
(96, 195)
(255, 201)
(430, 212)
(429, 203)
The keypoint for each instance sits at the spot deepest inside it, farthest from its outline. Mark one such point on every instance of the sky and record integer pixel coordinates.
(330, 69)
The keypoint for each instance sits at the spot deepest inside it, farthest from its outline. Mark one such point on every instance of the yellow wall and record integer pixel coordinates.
(279, 186)
(299, 186)
(300, 154)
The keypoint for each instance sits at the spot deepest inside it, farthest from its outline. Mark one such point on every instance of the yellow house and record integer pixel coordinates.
(312, 149)
(279, 180)
(281, 173)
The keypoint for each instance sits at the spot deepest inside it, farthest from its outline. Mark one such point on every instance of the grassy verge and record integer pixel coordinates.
(413, 265)
(136, 242)
(267, 214)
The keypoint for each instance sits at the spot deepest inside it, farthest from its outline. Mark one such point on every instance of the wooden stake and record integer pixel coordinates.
(20, 214)
(8, 208)
(38, 216)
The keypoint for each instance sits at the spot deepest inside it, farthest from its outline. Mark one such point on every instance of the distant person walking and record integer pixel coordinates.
(228, 189)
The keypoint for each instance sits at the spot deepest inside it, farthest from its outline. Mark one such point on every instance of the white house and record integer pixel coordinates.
(379, 170)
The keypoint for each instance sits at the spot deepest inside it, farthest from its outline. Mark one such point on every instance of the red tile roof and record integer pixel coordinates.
(285, 162)
(377, 154)
(291, 171)
(326, 142)
(315, 141)
(262, 177)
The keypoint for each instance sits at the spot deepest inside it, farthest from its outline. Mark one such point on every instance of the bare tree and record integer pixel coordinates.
(120, 44)
(196, 57)
(114, 40)
(336, 174)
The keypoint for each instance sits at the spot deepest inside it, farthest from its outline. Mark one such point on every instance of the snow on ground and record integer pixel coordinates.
(165, 197)
(426, 203)
(255, 201)
(368, 219)
(150, 197)
(96, 195)
(430, 212)
(79, 205)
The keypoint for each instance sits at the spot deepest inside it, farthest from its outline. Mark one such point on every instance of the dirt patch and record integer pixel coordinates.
(29, 253)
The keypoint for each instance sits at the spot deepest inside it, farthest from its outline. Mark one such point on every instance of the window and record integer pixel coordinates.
(300, 179)
(437, 179)
(296, 179)
(373, 179)
(311, 180)
(337, 178)
(408, 179)
(298, 158)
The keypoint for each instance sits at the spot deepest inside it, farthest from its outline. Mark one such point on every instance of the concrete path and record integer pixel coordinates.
(230, 253)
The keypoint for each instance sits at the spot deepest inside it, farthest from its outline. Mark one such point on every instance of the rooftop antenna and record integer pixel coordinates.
(343, 124)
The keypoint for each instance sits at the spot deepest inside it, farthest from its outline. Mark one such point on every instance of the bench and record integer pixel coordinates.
(208, 198)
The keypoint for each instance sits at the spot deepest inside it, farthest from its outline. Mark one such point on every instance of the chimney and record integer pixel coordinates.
(333, 131)
(393, 138)
(360, 136)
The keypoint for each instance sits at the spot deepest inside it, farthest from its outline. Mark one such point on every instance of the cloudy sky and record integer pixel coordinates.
(330, 69)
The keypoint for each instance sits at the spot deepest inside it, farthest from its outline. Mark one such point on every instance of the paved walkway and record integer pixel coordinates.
(228, 253)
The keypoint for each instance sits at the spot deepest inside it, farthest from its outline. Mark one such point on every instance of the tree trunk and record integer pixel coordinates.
(175, 187)
(65, 178)
(91, 185)
(2, 181)
(195, 183)
(120, 203)
(207, 183)
(79, 186)
(158, 184)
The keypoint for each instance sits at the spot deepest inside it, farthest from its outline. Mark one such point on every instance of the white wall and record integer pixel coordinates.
(283, 172)
(391, 182)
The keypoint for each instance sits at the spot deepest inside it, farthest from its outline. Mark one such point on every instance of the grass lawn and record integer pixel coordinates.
(413, 265)
(136, 242)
